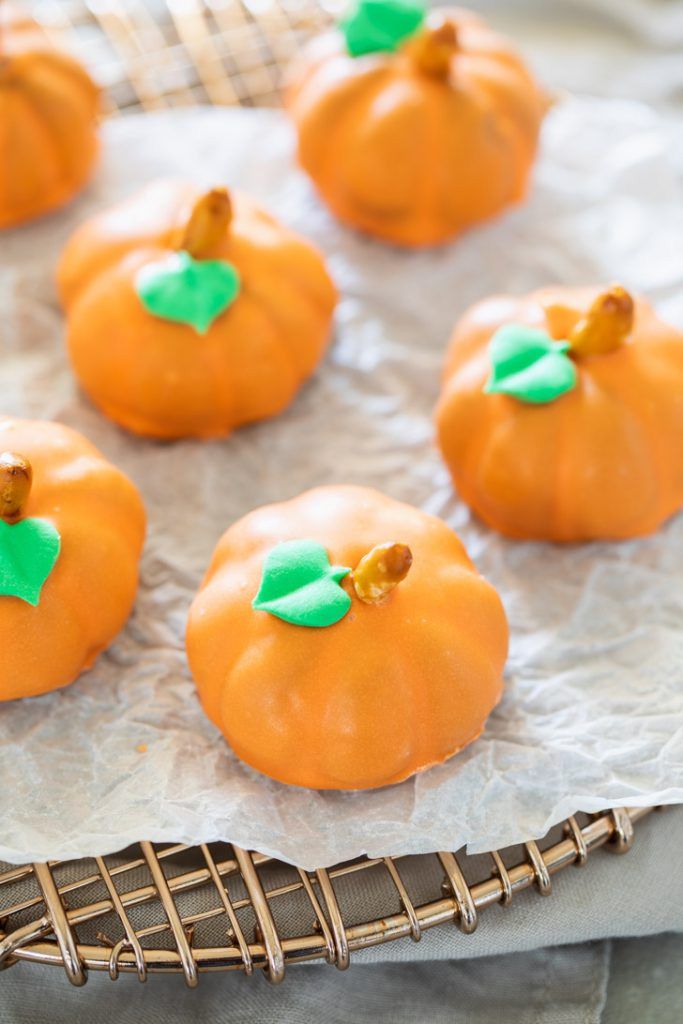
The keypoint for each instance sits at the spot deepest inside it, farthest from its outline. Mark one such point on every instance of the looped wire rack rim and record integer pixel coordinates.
(210, 908)
(157, 54)
(86, 915)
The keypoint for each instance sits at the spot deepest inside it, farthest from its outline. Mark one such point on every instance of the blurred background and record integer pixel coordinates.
(150, 54)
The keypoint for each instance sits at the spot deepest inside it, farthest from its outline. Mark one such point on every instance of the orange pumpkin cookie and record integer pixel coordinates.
(48, 122)
(343, 640)
(561, 415)
(415, 126)
(192, 313)
(71, 532)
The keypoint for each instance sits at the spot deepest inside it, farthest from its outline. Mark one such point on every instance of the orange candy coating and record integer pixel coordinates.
(387, 691)
(418, 145)
(89, 594)
(162, 379)
(604, 461)
(49, 107)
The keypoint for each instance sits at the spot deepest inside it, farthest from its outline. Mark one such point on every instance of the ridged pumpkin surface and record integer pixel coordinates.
(408, 155)
(161, 378)
(49, 107)
(387, 691)
(88, 596)
(603, 461)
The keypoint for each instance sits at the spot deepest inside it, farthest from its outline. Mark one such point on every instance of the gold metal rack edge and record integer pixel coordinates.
(51, 936)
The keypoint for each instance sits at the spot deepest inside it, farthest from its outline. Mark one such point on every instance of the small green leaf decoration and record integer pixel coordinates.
(300, 586)
(529, 365)
(372, 26)
(186, 290)
(28, 552)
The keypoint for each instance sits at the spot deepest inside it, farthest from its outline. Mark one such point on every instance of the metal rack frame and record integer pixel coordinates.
(41, 918)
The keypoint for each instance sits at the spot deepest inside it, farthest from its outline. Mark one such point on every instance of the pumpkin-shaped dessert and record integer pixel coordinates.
(415, 126)
(561, 416)
(71, 532)
(192, 313)
(49, 107)
(343, 640)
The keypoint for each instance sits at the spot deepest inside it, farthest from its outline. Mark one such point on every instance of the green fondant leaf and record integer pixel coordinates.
(28, 552)
(529, 365)
(372, 26)
(186, 290)
(300, 586)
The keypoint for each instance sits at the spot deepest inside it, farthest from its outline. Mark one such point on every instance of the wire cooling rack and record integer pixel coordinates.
(151, 54)
(192, 909)
(215, 908)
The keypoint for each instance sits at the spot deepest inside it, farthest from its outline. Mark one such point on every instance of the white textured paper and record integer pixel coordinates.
(593, 711)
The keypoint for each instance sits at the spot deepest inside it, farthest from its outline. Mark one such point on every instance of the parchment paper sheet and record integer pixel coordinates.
(593, 712)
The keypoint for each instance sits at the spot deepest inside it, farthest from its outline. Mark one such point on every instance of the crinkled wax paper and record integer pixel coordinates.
(593, 711)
